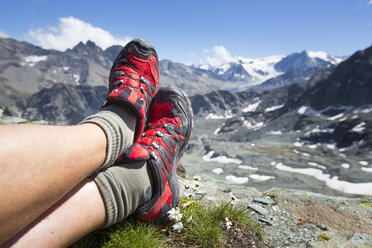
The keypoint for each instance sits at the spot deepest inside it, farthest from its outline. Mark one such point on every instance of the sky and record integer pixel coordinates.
(195, 31)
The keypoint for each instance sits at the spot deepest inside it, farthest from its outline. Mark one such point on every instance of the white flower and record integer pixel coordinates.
(228, 223)
(174, 214)
(196, 178)
(189, 195)
(177, 227)
(187, 186)
(233, 198)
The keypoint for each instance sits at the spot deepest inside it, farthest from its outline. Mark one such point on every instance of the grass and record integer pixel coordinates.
(206, 228)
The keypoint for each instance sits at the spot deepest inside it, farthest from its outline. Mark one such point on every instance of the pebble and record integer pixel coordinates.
(263, 200)
(275, 208)
(258, 209)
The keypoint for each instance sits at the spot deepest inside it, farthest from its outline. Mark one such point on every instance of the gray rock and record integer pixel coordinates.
(264, 201)
(258, 209)
(267, 221)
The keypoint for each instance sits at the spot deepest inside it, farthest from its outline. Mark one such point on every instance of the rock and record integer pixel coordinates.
(267, 221)
(263, 200)
(258, 209)
(181, 171)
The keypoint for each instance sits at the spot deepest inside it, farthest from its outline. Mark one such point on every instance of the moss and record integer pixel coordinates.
(366, 204)
(323, 236)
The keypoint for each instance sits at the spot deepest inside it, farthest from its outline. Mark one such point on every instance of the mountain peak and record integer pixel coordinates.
(88, 47)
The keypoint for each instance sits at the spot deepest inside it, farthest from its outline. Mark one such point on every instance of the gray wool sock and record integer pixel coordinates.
(123, 188)
(119, 125)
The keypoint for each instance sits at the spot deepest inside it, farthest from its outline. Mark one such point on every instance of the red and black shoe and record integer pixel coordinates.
(134, 80)
(163, 143)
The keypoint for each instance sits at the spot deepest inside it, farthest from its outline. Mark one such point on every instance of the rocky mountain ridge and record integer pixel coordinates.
(26, 69)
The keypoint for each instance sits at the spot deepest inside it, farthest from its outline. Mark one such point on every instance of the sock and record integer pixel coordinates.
(119, 125)
(123, 188)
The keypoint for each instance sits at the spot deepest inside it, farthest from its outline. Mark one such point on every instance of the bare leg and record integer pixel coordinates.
(77, 214)
(38, 166)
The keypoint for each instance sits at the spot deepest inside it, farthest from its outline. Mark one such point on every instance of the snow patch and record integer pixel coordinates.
(318, 130)
(76, 78)
(366, 169)
(251, 107)
(228, 114)
(261, 177)
(254, 126)
(307, 110)
(33, 59)
(217, 171)
(220, 159)
(275, 132)
(345, 165)
(363, 163)
(359, 128)
(238, 180)
(333, 183)
(274, 108)
(316, 165)
(247, 167)
(298, 144)
(331, 146)
(335, 117)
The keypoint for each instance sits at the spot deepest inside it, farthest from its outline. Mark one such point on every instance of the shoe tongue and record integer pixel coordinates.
(160, 110)
(134, 153)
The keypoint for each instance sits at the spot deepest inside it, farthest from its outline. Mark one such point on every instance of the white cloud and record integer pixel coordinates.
(219, 56)
(4, 35)
(370, 2)
(69, 32)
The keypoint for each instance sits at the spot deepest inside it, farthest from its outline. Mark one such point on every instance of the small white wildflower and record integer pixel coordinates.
(233, 198)
(187, 204)
(174, 214)
(228, 223)
(196, 178)
(189, 195)
(189, 219)
(177, 227)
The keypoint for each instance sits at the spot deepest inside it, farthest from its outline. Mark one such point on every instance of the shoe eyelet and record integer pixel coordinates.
(153, 155)
(142, 89)
(159, 134)
(155, 145)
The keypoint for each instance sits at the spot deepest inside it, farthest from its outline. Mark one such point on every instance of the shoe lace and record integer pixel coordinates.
(142, 81)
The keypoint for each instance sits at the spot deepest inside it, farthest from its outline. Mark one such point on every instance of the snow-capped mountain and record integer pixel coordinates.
(282, 70)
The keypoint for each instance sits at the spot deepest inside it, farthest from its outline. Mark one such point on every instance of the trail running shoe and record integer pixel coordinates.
(163, 143)
(134, 80)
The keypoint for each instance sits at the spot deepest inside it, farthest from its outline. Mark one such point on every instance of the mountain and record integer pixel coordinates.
(191, 80)
(274, 71)
(316, 136)
(306, 59)
(61, 104)
(25, 69)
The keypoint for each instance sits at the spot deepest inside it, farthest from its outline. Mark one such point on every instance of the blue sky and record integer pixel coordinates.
(188, 31)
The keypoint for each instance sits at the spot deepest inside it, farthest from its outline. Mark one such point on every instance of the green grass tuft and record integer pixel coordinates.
(207, 228)
(135, 234)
